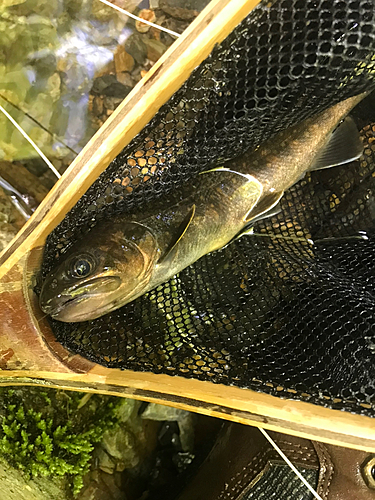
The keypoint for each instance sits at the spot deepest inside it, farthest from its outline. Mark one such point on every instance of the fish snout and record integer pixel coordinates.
(53, 305)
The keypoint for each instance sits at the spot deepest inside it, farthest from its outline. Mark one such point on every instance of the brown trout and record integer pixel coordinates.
(123, 258)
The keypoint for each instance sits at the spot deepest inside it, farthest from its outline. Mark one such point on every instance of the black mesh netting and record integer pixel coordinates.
(277, 313)
(280, 482)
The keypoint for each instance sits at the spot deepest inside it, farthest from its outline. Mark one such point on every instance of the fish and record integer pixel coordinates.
(121, 259)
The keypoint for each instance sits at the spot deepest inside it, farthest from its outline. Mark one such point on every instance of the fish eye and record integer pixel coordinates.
(82, 267)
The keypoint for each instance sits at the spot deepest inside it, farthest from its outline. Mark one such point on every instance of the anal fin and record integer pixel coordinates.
(344, 146)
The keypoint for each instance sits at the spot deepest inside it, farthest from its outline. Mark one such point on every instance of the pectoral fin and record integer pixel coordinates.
(344, 146)
(266, 207)
(179, 235)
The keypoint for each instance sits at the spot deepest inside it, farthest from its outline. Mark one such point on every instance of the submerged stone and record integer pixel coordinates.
(136, 47)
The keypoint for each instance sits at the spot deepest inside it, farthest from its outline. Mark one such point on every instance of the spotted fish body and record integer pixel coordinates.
(122, 259)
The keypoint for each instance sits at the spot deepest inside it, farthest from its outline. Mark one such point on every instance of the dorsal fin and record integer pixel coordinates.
(344, 146)
(179, 234)
(264, 208)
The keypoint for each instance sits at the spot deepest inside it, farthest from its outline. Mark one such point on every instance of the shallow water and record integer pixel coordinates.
(51, 55)
(64, 67)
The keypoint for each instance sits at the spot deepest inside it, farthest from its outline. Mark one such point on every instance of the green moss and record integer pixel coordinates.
(51, 432)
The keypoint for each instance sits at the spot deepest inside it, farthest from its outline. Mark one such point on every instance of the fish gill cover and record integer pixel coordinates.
(275, 313)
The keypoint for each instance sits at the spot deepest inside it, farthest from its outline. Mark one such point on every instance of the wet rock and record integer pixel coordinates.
(174, 24)
(36, 166)
(154, 32)
(49, 8)
(48, 179)
(136, 75)
(126, 79)
(44, 66)
(105, 13)
(107, 85)
(111, 103)
(99, 485)
(106, 463)
(184, 420)
(155, 411)
(187, 426)
(97, 106)
(118, 449)
(121, 447)
(185, 4)
(185, 10)
(123, 60)
(136, 47)
(102, 12)
(107, 69)
(148, 15)
(53, 86)
(155, 49)
(125, 446)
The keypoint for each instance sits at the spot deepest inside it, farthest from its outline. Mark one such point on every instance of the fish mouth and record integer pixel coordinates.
(54, 310)
(60, 303)
(66, 306)
(68, 311)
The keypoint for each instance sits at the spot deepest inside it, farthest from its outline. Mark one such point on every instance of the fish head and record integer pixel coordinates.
(108, 268)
